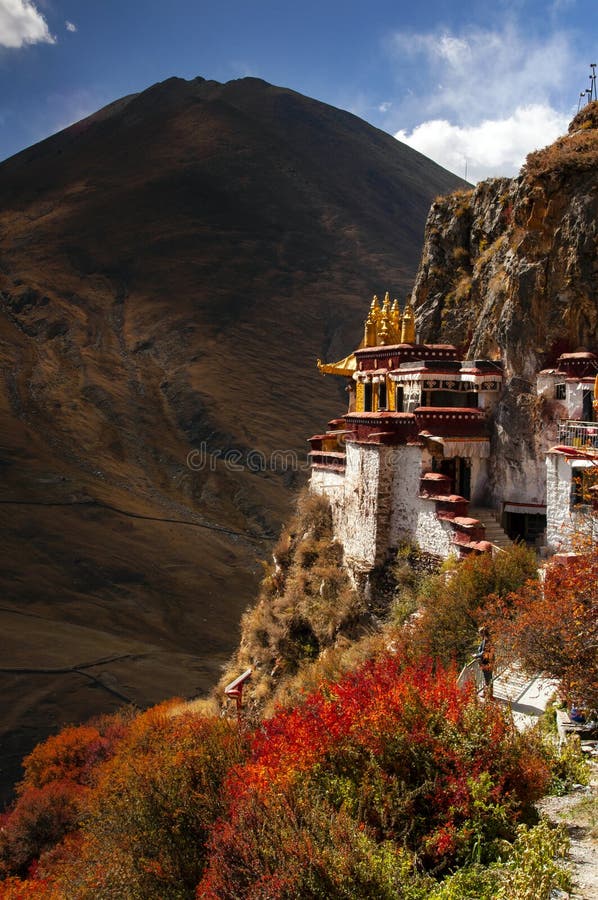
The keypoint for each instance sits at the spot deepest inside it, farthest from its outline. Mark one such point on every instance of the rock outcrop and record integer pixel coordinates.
(510, 270)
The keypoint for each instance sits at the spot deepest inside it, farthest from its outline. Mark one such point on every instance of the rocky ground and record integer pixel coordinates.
(578, 811)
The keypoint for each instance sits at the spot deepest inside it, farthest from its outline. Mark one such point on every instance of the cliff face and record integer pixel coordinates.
(510, 270)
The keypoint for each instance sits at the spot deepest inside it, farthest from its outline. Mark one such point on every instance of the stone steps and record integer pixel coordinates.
(525, 696)
(494, 532)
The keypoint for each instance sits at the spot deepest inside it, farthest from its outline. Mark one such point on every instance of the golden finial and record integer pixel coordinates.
(369, 333)
(408, 325)
(395, 321)
(384, 325)
(371, 324)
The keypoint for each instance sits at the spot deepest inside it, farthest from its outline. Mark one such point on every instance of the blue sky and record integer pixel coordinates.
(469, 83)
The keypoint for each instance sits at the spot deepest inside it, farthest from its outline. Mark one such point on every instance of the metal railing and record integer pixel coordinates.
(573, 433)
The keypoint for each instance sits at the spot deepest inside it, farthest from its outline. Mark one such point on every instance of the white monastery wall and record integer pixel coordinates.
(354, 499)
(376, 504)
(432, 534)
(564, 524)
(405, 491)
(558, 493)
(575, 399)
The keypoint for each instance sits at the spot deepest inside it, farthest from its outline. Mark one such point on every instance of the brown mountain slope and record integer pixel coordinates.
(170, 268)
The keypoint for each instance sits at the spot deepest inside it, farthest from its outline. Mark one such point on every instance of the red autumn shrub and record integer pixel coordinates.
(39, 819)
(401, 751)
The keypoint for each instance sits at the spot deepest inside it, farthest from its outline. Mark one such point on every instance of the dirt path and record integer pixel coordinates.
(578, 811)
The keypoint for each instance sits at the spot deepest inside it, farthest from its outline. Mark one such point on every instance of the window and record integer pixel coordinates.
(560, 391)
(367, 396)
(399, 398)
(382, 395)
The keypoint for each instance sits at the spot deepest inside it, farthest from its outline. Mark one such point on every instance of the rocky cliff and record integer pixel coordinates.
(510, 270)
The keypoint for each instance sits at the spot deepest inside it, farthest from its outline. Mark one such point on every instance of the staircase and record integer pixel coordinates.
(494, 532)
(525, 696)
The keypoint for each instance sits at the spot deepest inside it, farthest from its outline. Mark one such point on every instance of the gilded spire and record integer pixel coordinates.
(395, 319)
(408, 325)
(371, 324)
(375, 310)
(385, 324)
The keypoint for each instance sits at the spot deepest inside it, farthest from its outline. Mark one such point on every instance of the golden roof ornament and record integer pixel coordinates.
(384, 325)
(395, 320)
(408, 324)
(369, 332)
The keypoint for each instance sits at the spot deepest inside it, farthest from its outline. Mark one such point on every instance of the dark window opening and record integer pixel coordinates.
(458, 470)
(399, 398)
(527, 527)
(587, 406)
(560, 391)
(451, 398)
(382, 395)
(367, 396)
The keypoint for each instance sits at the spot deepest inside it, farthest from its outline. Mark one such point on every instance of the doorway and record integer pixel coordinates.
(458, 470)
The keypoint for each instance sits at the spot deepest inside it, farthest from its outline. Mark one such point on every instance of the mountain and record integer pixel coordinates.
(170, 268)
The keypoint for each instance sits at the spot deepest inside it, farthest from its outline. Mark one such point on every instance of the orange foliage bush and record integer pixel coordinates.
(147, 817)
(57, 777)
(552, 627)
(451, 604)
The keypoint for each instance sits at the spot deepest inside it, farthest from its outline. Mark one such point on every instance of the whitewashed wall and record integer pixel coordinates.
(564, 525)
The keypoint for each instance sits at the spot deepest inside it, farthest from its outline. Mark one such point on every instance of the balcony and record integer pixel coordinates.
(332, 460)
(581, 435)
(328, 450)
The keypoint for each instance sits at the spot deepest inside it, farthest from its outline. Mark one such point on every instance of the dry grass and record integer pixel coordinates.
(306, 611)
(576, 151)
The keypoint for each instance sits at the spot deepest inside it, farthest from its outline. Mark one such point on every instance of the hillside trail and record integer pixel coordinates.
(527, 697)
(578, 811)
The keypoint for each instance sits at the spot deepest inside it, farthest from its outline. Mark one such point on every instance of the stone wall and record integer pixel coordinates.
(433, 535)
(376, 504)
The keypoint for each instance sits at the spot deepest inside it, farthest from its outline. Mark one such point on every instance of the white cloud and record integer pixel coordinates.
(384, 106)
(491, 148)
(22, 23)
(482, 71)
(70, 26)
(488, 96)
